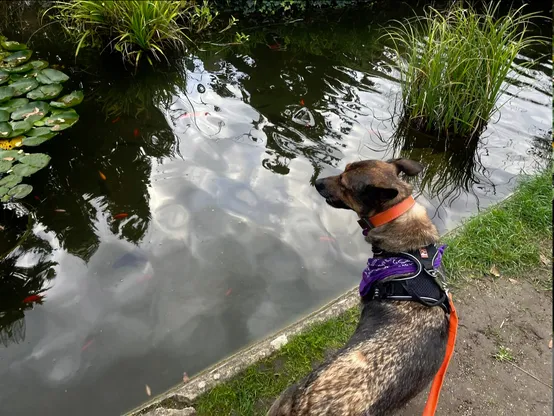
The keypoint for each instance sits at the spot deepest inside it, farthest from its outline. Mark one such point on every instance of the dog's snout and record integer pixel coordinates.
(319, 185)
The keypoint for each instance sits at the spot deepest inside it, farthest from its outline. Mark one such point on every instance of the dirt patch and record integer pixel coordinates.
(500, 321)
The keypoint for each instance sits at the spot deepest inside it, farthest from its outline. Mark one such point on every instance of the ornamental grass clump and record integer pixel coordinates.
(134, 28)
(453, 66)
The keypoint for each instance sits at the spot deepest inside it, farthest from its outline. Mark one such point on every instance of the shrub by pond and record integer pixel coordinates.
(453, 66)
(31, 113)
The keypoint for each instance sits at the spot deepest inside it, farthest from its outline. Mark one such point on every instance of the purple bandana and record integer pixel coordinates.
(381, 268)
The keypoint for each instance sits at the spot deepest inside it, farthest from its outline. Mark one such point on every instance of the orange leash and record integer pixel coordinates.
(433, 399)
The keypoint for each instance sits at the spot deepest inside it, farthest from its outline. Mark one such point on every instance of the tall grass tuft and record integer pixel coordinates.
(135, 28)
(453, 66)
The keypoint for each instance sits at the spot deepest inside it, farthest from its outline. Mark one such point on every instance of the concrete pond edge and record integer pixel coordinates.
(178, 400)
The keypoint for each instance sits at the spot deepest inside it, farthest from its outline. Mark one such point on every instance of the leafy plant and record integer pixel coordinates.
(28, 121)
(135, 28)
(453, 65)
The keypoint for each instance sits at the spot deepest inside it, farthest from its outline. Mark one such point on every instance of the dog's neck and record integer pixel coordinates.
(410, 231)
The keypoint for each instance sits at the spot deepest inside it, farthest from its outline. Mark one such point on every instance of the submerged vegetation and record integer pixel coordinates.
(28, 94)
(453, 66)
(134, 28)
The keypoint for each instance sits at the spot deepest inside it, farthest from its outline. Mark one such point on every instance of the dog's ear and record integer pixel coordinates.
(409, 167)
(370, 194)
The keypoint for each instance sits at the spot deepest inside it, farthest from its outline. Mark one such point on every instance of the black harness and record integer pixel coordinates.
(427, 286)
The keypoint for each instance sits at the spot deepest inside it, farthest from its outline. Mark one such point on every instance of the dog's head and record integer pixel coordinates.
(370, 186)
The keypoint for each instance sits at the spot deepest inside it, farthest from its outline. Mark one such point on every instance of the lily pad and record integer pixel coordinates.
(36, 140)
(40, 123)
(24, 86)
(51, 76)
(31, 112)
(61, 120)
(11, 45)
(38, 131)
(3, 190)
(15, 77)
(5, 130)
(4, 116)
(37, 160)
(39, 64)
(5, 165)
(11, 154)
(69, 100)
(22, 169)
(20, 127)
(18, 58)
(45, 92)
(11, 180)
(12, 104)
(19, 69)
(4, 76)
(6, 93)
(20, 191)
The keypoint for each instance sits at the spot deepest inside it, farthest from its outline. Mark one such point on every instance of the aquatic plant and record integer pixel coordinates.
(134, 28)
(453, 65)
(30, 114)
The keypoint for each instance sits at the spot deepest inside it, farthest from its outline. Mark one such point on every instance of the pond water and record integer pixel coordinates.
(225, 239)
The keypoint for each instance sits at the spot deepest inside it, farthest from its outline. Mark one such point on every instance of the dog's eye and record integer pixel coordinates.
(341, 183)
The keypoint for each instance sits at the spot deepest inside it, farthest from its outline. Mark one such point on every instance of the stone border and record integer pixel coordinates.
(175, 401)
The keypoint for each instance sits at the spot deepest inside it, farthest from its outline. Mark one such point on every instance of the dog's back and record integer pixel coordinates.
(395, 352)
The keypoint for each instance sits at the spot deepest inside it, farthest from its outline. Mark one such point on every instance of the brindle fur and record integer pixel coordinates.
(397, 347)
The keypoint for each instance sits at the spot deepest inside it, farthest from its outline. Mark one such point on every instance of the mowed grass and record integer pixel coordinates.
(509, 236)
(453, 66)
(253, 391)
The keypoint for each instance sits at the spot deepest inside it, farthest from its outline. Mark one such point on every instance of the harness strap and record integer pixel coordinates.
(434, 393)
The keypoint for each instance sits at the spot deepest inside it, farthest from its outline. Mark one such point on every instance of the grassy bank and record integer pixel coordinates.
(508, 237)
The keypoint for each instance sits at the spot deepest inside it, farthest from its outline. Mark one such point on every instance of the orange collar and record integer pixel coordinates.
(387, 216)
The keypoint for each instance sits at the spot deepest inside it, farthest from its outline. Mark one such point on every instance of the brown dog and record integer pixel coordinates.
(398, 346)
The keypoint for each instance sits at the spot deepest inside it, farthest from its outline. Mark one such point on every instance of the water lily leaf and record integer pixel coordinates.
(11, 180)
(6, 93)
(5, 165)
(5, 130)
(22, 169)
(36, 140)
(4, 116)
(10, 45)
(12, 104)
(51, 76)
(20, 191)
(3, 190)
(19, 69)
(4, 76)
(11, 154)
(69, 100)
(45, 92)
(38, 131)
(15, 78)
(31, 112)
(39, 123)
(20, 127)
(39, 64)
(61, 120)
(37, 160)
(18, 58)
(23, 86)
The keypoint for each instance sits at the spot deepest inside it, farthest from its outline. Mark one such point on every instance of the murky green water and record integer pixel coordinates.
(225, 239)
